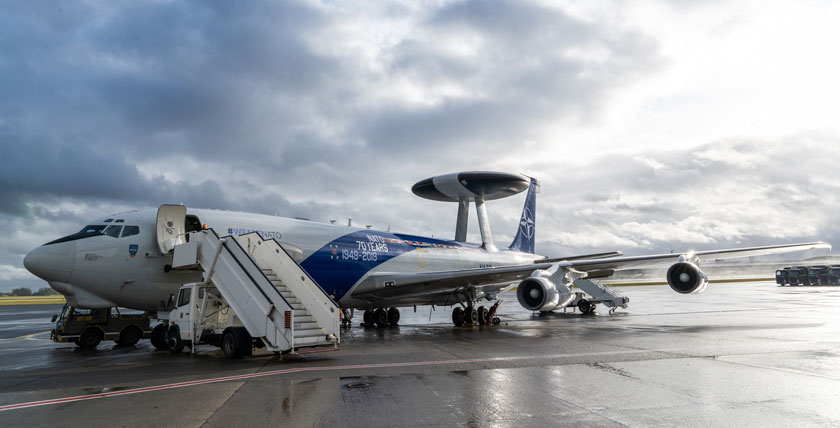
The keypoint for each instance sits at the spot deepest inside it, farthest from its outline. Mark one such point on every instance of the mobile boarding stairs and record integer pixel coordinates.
(254, 294)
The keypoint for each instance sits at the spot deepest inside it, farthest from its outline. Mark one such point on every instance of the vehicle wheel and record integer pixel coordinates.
(482, 315)
(471, 315)
(230, 345)
(129, 336)
(159, 337)
(380, 317)
(173, 341)
(90, 338)
(393, 316)
(585, 306)
(245, 342)
(458, 317)
(368, 317)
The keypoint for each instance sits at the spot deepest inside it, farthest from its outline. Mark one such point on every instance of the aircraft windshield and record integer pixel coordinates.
(86, 232)
(113, 231)
(93, 228)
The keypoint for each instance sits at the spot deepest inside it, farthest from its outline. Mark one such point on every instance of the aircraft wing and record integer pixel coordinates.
(587, 265)
(409, 285)
(420, 287)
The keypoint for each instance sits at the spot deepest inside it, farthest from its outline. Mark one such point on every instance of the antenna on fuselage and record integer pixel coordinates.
(472, 186)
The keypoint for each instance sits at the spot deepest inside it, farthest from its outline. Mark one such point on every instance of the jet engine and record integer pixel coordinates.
(686, 278)
(537, 293)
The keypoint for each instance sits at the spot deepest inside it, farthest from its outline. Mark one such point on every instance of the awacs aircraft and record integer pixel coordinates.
(124, 259)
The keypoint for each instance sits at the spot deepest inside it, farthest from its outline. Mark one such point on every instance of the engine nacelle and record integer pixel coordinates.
(537, 293)
(686, 278)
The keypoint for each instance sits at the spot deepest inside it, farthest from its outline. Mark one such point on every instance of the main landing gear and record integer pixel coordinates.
(474, 316)
(382, 317)
(469, 315)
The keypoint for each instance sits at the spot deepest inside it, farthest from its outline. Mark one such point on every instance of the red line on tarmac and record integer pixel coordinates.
(300, 369)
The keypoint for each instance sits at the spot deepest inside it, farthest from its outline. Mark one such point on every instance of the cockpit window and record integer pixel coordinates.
(113, 231)
(119, 220)
(97, 228)
(108, 220)
(130, 231)
(86, 232)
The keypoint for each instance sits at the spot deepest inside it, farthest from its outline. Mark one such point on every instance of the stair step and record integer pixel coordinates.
(310, 332)
(305, 326)
(313, 342)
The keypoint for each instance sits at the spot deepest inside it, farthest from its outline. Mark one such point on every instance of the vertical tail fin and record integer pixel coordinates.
(524, 239)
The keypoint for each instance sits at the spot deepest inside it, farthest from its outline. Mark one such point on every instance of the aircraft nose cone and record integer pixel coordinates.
(52, 262)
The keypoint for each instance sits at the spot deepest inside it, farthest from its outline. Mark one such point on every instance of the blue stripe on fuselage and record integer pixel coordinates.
(337, 266)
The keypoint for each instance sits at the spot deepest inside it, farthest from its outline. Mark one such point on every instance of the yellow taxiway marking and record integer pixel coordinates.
(32, 300)
(32, 336)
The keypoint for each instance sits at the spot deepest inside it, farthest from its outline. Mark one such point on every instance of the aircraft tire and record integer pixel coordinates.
(458, 317)
(482, 315)
(393, 316)
(368, 317)
(159, 337)
(90, 338)
(380, 317)
(129, 336)
(471, 315)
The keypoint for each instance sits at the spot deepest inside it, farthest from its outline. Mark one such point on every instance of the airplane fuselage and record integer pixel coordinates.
(129, 271)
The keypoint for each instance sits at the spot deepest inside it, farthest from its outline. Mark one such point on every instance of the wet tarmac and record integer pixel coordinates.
(745, 354)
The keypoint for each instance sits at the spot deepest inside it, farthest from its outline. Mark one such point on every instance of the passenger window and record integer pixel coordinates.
(184, 297)
(113, 231)
(119, 220)
(108, 221)
(130, 231)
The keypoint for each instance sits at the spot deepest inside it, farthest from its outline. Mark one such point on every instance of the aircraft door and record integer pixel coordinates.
(171, 226)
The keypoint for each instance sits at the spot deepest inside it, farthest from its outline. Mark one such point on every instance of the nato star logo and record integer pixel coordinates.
(526, 225)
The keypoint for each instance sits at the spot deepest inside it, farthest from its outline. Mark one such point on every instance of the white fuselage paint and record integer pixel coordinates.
(105, 267)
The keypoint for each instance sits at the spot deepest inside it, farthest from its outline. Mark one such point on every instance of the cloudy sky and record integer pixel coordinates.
(653, 125)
